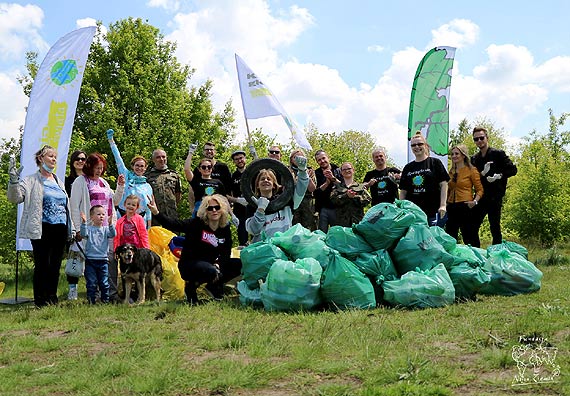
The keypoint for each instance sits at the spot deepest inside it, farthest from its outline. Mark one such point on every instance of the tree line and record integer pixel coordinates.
(134, 84)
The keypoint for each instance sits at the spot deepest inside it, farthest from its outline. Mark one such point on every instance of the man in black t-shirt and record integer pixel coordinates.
(382, 181)
(236, 196)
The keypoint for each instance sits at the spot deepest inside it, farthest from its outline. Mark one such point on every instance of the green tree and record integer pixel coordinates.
(347, 146)
(464, 134)
(134, 84)
(8, 148)
(539, 203)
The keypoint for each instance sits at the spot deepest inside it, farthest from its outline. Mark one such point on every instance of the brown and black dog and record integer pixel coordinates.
(136, 265)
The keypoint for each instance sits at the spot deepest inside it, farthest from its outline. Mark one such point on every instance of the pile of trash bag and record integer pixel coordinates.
(392, 257)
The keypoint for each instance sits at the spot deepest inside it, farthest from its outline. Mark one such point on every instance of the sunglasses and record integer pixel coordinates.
(204, 167)
(274, 151)
(212, 208)
(416, 144)
(476, 139)
(81, 159)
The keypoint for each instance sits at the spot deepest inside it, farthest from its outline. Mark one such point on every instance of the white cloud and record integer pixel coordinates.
(458, 33)
(375, 48)
(19, 30)
(507, 64)
(555, 73)
(12, 105)
(169, 5)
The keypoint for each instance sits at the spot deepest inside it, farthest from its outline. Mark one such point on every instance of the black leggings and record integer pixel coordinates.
(461, 217)
(196, 272)
(48, 253)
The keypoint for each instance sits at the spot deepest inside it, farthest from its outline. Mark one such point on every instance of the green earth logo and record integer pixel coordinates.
(64, 71)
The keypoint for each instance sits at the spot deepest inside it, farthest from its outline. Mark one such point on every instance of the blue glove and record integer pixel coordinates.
(110, 134)
(301, 163)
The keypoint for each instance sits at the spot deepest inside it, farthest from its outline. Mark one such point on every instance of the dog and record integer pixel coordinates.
(138, 264)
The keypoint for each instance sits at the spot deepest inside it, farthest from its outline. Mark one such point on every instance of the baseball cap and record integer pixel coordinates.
(237, 152)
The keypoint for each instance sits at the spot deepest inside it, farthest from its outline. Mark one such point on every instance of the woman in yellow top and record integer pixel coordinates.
(463, 193)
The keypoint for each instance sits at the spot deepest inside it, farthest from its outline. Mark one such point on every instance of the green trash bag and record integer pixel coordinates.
(423, 289)
(447, 241)
(512, 247)
(377, 264)
(344, 286)
(299, 242)
(256, 259)
(468, 278)
(384, 224)
(249, 297)
(419, 249)
(510, 274)
(345, 241)
(469, 254)
(292, 286)
(409, 206)
(482, 253)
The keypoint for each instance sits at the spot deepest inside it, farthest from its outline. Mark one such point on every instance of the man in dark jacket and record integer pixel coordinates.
(495, 167)
(326, 176)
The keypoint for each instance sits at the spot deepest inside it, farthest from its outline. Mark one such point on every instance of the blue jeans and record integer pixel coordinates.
(327, 217)
(97, 275)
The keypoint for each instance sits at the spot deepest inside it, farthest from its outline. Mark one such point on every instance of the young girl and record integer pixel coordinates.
(131, 228)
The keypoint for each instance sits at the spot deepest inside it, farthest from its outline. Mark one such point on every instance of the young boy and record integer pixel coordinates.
(131, 228)
(96, 248)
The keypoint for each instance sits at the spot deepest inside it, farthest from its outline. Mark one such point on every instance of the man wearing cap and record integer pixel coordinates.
(165, 184)
(236, 197)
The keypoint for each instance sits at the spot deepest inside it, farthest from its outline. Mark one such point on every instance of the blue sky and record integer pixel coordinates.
(338, 64)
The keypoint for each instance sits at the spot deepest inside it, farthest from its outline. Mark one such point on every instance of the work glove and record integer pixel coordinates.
(110, 134)
(241, 201)
(13, 172)
(486, 168)
(301, 163)
(496, 176)
(192, 148)
(235, 220)
(261, 202)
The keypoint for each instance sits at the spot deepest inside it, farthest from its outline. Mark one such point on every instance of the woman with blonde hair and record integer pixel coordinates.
(45, 221)
(207, 246)
(424, 181)
(464, 192)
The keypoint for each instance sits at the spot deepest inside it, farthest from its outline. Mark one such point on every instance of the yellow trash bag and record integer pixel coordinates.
(172, 283)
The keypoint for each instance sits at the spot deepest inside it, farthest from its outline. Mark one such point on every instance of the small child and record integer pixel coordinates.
(131, 228)
(96, 247)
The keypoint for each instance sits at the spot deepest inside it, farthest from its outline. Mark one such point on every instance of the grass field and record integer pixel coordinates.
(221, 348)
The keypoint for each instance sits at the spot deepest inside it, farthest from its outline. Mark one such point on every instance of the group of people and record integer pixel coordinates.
(473, 187)
(84, 209)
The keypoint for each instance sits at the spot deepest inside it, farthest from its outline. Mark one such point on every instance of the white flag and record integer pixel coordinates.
(258, 101)
(52, 105)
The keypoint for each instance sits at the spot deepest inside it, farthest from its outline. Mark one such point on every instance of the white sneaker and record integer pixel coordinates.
(72, 295)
